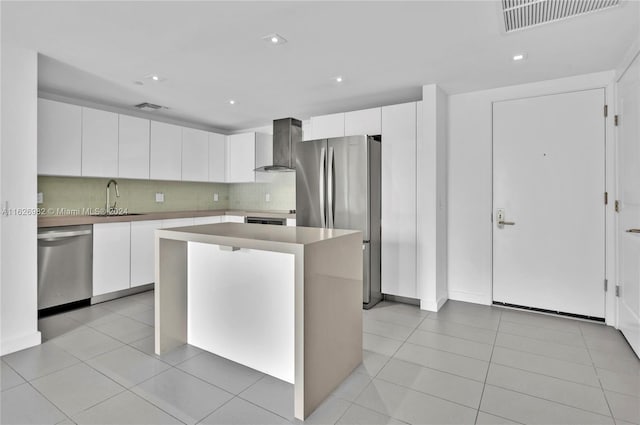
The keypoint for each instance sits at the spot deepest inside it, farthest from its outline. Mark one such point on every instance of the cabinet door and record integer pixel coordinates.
(111, 261)
(264, 156)
(327, 126)
(99, 143)
(399, 200)
(208, 220)
(166, 152)
(241, 156)
(233, 219)
(195, 155)
(59, 138)
(217, 157)
(143, 251)
(177, 222)
(367, 121)
(133, 148)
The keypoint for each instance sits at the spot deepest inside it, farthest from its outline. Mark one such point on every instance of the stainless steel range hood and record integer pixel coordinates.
(286, 133)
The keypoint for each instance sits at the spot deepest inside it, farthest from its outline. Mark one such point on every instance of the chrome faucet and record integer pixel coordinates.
(108, 208)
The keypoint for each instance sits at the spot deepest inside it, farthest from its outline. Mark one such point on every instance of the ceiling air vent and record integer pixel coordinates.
(521, 14)
(146, 106)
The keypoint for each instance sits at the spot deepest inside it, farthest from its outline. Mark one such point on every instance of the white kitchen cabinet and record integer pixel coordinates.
(59, 138)
(166, 152)
(233, 219)
(143, 251)
(111, 257)
(99, 143)
(241, 157)
(133, 147)
(326, 126)
(217, 157)
(195, 155)
(399, 133)
(208, 220)
(177, 222)
(366, 121)
(264, 156)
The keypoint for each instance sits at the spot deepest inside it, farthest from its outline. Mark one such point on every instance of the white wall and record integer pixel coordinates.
(18, 181)
(431, 199)
(470, 181)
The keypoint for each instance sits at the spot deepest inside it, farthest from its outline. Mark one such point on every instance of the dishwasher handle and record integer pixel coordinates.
(55, 236)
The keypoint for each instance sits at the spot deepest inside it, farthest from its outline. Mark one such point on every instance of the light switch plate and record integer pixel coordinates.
(215, 197)
(40, 198)
(159, 197)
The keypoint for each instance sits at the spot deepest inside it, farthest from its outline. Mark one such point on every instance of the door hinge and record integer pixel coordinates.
(617, 206)
(616, 120)
(617, 290)
(606, 198)
(606, 285)
(606, 111)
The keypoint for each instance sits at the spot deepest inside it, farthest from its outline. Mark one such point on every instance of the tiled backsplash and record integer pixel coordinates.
(135, 195)
(78, 193)
(281, 188)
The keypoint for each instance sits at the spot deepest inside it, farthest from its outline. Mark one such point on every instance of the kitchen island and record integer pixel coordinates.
(286, 301)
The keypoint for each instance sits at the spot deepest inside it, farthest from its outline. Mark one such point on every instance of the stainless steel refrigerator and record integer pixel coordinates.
(338, 186)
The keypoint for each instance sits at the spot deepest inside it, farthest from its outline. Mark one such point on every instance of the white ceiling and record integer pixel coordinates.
(211, 52)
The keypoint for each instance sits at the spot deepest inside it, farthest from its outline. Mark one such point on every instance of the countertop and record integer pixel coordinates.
(72, 220)
(248, 235)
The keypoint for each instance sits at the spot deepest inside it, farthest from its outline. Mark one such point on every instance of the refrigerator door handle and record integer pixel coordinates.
(323, 161)
(331, 186)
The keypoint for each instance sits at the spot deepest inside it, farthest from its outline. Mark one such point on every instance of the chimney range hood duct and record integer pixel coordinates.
(286, 133)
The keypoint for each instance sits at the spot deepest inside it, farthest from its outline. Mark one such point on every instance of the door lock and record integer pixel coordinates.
(500, 215)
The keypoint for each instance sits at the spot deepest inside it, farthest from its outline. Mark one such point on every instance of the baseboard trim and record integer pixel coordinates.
(433, 305)
(403, 300)
(123, 293)
(470, 297)
(20, 343)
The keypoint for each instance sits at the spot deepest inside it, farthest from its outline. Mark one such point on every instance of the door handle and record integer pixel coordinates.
(506, 223)
(500, 214)
(633, 230)
(323, 161)
(330, 184)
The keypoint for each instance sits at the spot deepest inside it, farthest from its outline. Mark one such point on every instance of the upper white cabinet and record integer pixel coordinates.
(326, 126)
(366, 121)
(166, 152)
(264, 155)
(195, 155)
(217, 157)
(111, 260)
(399, 135)
(59, 138)
(241, 157)
(99, 143)
(133, 147)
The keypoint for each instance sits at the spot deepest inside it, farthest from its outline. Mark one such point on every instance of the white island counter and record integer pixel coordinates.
(286, 301)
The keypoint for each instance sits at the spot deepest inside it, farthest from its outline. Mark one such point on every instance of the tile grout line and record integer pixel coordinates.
(593, 365)
(484, 385)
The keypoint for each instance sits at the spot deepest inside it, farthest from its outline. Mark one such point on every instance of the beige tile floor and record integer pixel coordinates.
(463, 365)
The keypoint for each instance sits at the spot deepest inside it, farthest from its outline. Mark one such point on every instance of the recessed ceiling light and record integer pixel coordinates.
(274, 39)
(339, 79)
(519, 57)
(155, 78)
(232, 102)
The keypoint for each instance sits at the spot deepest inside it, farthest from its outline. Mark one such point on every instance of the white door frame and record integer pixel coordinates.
(605, 80)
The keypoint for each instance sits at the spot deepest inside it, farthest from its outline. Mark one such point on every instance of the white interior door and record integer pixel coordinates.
(548, 178)
(629, 197)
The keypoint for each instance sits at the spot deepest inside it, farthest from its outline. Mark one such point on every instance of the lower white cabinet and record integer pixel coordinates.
(143, 251)
(177, 222)
(207, 220)
(233, 219)
(111, 257)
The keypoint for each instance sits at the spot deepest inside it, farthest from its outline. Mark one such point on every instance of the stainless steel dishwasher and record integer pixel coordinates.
(65, 265)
